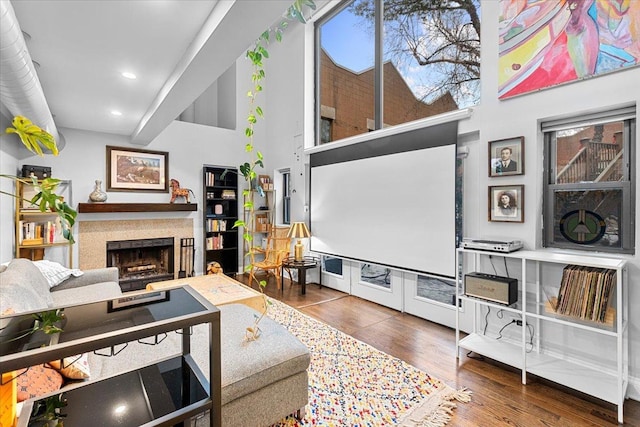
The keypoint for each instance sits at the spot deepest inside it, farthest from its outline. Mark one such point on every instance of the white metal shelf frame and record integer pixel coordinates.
(595, 382)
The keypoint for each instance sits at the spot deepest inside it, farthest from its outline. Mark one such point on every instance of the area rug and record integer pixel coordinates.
(353, 384)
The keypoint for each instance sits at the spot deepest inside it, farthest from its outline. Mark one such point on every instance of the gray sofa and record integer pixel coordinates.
(23, 288)
(262, 381)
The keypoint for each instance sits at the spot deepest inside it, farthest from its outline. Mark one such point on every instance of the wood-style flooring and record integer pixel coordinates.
(499, 398)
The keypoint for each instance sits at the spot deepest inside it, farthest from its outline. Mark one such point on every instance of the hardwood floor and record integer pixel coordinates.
(499, 398)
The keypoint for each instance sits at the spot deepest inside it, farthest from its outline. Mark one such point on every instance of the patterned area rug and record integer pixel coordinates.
(353, 384)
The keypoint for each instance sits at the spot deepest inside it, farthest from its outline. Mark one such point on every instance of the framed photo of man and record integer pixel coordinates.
(506, 157)
(506, 203)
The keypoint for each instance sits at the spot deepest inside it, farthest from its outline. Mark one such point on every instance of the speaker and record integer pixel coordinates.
(503, 290)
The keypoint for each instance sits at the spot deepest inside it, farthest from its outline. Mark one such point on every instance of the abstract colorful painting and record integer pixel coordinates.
(544, 43)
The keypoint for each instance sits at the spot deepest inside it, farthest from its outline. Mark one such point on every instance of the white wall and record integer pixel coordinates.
(84, 160)
(491, 120)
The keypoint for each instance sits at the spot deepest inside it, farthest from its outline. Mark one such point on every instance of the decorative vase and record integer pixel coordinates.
(97, 195)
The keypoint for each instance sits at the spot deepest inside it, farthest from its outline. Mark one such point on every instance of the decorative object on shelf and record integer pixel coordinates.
(176, 191)
(228, 194)
(506, 203)
(97, 195)
(40, 172)
(217, 209)
(506, 157)
(299, 230)
(137, 170)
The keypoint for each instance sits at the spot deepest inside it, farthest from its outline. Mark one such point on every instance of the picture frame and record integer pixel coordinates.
(137, 300)
(136, 170)
(506, 157)
(503, 210)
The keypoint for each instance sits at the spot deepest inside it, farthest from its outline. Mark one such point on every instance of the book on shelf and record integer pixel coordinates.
(38, 233)
(214, 242)
(214, 225)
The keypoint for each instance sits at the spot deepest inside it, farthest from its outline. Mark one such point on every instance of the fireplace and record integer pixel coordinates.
(141, 261)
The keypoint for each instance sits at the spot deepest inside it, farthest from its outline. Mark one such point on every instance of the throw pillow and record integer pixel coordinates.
(73, 367)
(56, 273)
(38, 380)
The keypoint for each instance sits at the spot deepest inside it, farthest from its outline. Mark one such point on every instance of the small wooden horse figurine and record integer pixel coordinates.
(176, 191)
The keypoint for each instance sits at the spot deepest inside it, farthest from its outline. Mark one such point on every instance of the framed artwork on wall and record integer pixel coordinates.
(506, 157)
(137, 170)
(506, 203)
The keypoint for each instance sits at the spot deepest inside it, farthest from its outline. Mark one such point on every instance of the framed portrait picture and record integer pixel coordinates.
(506, 203)
(506, 157)
(137, 170)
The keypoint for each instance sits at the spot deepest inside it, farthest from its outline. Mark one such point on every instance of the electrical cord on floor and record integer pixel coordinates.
(474, 357)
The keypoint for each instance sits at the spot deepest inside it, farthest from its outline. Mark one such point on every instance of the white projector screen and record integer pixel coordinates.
(392, 206)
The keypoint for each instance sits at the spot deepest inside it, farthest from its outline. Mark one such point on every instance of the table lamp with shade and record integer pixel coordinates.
(298, 230)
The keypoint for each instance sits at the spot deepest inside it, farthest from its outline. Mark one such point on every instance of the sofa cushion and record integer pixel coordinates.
(87, 294)
(73, 367)
(38, 380)
(56, 273)
(23, 288)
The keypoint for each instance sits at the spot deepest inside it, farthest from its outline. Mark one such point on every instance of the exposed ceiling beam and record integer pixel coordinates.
(230, 29)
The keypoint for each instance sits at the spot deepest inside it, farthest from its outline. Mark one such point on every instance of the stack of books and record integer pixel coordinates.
(584, 292)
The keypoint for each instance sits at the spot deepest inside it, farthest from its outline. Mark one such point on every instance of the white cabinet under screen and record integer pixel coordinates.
(585, 348)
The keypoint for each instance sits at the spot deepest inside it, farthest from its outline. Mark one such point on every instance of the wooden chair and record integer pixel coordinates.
(278, 248)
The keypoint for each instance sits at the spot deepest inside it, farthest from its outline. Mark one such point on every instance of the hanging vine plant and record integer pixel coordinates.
(257, 55)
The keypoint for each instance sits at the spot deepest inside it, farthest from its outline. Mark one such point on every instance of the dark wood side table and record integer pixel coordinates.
(302, 266)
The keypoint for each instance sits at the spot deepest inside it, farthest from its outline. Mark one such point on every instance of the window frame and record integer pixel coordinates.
(286, 197)
(626, 185)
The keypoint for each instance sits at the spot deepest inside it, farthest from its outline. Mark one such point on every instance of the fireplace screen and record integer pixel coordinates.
(141, 261)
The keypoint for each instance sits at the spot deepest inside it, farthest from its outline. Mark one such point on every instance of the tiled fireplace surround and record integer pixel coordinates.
(94, 235)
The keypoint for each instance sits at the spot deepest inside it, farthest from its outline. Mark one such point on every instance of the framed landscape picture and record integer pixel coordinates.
(506, 157)
(506, 203)
(137, 170)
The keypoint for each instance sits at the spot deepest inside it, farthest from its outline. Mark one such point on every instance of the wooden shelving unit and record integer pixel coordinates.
(34, 246)
(264, 217)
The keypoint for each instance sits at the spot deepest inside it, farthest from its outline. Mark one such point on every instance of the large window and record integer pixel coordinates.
(590, 181)
(427, 63)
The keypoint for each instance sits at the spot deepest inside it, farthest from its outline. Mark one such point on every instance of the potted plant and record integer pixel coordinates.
(34, 139)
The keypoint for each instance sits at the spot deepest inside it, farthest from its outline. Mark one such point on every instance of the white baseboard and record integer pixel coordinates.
(633, 391)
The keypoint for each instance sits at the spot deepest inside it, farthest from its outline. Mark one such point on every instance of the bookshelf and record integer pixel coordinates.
(36, 231)
(565, 301)
(264, 216)
(220, 212)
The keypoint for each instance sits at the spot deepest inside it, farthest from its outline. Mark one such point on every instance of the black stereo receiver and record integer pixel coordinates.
(503, 290)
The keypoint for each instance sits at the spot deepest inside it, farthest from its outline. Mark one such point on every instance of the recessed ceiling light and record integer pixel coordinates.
(116, 113)
(128, 75)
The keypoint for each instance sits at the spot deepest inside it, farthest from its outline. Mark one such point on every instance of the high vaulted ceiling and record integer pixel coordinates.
(176, 49)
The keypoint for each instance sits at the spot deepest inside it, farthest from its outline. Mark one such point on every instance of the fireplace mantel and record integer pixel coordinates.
(136, 207)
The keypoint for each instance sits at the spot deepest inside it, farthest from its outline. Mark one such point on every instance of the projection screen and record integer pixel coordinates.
(388, 201)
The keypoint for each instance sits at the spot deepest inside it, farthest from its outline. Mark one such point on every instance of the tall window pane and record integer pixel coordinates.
(430, 63)
(346, 73)
(431, 59)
